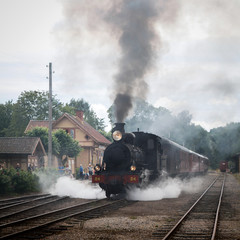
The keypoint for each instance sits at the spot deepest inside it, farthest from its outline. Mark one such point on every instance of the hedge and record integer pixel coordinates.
(12, 181)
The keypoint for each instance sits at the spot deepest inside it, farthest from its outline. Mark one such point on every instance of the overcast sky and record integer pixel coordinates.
(195, 67)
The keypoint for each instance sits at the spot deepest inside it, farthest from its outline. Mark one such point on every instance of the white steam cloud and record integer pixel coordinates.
(165, 188)
(168, 188)
(67, 186)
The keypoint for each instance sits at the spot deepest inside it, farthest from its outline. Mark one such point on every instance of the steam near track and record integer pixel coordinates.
(168, 188)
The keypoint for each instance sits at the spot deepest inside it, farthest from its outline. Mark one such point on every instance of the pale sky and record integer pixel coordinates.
(196, 67)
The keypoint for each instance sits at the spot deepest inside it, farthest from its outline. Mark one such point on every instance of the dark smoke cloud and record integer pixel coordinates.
(135, 21)
(128, 26)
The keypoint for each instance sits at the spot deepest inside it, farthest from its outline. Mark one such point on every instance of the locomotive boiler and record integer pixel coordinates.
(139, 158)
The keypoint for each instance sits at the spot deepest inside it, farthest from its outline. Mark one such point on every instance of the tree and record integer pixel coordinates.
(42, 133)
(227, 141)
(31, 105)
(68, 146)
(6, 114)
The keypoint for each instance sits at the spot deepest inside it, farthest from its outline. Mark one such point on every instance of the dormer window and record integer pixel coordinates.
(87, 137)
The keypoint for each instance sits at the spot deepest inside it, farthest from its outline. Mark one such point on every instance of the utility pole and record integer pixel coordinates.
(50, 117)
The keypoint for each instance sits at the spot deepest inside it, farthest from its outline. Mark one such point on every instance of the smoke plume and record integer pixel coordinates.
(135, 22)
(121, 32)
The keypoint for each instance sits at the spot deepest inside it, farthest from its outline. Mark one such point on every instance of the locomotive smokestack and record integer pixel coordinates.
(119, 127)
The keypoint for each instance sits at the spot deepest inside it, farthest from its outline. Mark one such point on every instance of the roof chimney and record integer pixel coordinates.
(79, 114)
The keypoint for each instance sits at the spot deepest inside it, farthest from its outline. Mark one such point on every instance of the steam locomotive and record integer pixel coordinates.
(140, 158)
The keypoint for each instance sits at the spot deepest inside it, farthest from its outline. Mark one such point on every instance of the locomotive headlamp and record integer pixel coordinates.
(97, 168)
(133, 168)
(117, 135)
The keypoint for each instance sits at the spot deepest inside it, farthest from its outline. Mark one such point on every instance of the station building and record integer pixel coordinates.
(92, 142)
(22, 151)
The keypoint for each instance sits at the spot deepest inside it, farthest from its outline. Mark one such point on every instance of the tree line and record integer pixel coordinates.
(33, 105)
(218, 144)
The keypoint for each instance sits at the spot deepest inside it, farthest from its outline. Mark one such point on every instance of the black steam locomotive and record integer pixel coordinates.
(139, 158)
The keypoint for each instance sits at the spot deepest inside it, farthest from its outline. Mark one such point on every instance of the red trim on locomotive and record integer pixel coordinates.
(115, 178)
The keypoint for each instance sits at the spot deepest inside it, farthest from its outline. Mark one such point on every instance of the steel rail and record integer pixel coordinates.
(55, 220)
(28, 201)
(45, 214)
(30, 208)
(23, 197)
(218, 210)
(189, 210)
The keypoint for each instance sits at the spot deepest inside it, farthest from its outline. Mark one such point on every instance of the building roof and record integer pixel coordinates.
(20, 145)
(37, 123)
(85, 127)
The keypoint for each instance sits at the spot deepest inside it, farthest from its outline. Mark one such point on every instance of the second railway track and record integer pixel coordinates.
(201, 220)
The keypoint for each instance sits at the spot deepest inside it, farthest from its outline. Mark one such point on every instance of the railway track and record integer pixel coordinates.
(23, 209)
(201, 220)
(23, 199)
(41, 225)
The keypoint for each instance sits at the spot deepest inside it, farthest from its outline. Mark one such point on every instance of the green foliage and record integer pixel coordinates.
(63, 143)
(5, 183)
(31, 105)
(6, 114)
(227, 141)
(12, 181)
(68, 146)
(25, 182)
(42, 133)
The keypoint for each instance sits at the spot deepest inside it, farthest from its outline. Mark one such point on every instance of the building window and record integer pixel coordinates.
(71, 132)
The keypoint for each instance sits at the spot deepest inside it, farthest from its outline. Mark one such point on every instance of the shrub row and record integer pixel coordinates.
(12, 181)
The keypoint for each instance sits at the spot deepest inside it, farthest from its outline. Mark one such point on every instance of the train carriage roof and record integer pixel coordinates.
(164, 140)
(167, 141)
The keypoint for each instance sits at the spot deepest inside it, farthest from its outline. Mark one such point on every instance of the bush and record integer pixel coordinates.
(12, 181)
(25, 182)
(5, 183)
